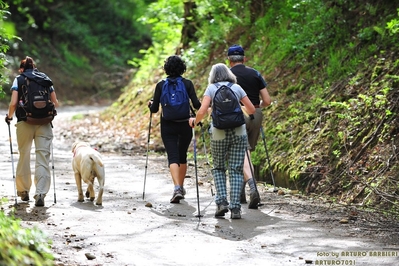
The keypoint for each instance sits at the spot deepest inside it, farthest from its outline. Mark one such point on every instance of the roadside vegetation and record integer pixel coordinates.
(22, 246)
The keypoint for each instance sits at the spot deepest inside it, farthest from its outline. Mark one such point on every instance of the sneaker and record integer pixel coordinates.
(254, 200)
(235, 213)
(177, 196)
(24, 195)
(39, 200)
(243, 198)
(221, 209)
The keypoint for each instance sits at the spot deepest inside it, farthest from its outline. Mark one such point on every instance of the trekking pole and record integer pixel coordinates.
(148, 147)
(196, 174)
(206, 154)
(253, 174)
(52, 166)
(52, 162)
(12, 163)
(268, 159)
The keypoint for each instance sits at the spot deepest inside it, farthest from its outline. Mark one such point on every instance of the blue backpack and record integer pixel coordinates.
(226, 108)
(174, 100)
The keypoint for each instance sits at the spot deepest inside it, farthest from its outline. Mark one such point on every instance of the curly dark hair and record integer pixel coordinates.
(174, 66)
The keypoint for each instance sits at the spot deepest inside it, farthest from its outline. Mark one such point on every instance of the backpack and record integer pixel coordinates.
(35, 106)
(174, 100)
(226, 108)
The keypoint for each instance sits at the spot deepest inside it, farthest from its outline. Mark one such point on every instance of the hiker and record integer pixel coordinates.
(254, 85)
(26, 133)
(176, 134)
(227, 145)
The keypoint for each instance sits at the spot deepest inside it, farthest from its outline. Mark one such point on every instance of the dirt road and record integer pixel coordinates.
(287, 230)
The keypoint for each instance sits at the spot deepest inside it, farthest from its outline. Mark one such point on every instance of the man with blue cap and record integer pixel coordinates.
(255, 86)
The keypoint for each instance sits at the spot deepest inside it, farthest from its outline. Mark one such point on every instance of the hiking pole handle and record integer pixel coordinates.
(8, 119)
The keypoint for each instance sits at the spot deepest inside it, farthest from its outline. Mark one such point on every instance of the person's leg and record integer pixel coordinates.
(185, 137)
(236, 161)
(43, 139)
(23, 179)
(170, 141)
(174, 170)
(219, 148)
(182, 176)
(170, 138)
(253, 132)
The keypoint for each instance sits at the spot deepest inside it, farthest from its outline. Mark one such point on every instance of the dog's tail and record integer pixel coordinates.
(97, 159)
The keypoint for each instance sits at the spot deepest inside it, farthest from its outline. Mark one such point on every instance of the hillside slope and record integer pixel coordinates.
(332, 69)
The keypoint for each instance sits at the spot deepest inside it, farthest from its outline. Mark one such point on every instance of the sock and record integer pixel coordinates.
(177, 187)
(251, 184)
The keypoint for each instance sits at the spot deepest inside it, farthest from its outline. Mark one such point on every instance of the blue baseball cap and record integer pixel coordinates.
(235, 50)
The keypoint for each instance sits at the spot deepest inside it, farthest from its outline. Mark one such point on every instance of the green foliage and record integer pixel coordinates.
(393, 25)
(76, 42)
(6, 33)
(165, 19)
(22, 246)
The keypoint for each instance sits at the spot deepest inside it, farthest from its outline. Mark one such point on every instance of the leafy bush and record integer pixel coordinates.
(22, 246)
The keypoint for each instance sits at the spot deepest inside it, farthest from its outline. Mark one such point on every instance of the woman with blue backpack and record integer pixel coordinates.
(173, 94)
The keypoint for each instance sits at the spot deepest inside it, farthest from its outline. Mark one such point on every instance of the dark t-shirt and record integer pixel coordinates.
(250, 80)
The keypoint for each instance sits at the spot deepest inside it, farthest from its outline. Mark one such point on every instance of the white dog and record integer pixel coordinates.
(87, 165)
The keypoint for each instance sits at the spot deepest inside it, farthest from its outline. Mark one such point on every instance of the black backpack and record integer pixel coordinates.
(35, 106)
(226, 108)
(174, 100)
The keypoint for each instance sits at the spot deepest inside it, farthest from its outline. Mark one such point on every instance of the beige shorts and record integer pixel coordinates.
(253, 128)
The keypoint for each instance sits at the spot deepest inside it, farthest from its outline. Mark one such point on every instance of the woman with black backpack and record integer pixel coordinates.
(228, 144)
(38, 130)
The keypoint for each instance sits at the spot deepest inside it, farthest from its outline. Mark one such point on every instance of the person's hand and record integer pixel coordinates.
(8, 119)
(191, 121)
(149, 103)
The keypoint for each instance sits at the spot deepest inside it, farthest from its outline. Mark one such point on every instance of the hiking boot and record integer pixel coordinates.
(221, 209)
(235, 213)
(243, 198)
(39, 200)
(24, 195)
(254, 200)
(177, 196)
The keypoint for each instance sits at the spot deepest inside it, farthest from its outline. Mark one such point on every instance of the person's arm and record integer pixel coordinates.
(248, 106)
(54, 99)
(265, 98)
(13, 104)
(192, 94)
(203, 110)
(154, 102)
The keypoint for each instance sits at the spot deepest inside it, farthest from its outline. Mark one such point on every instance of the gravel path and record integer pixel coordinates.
(288, 229)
